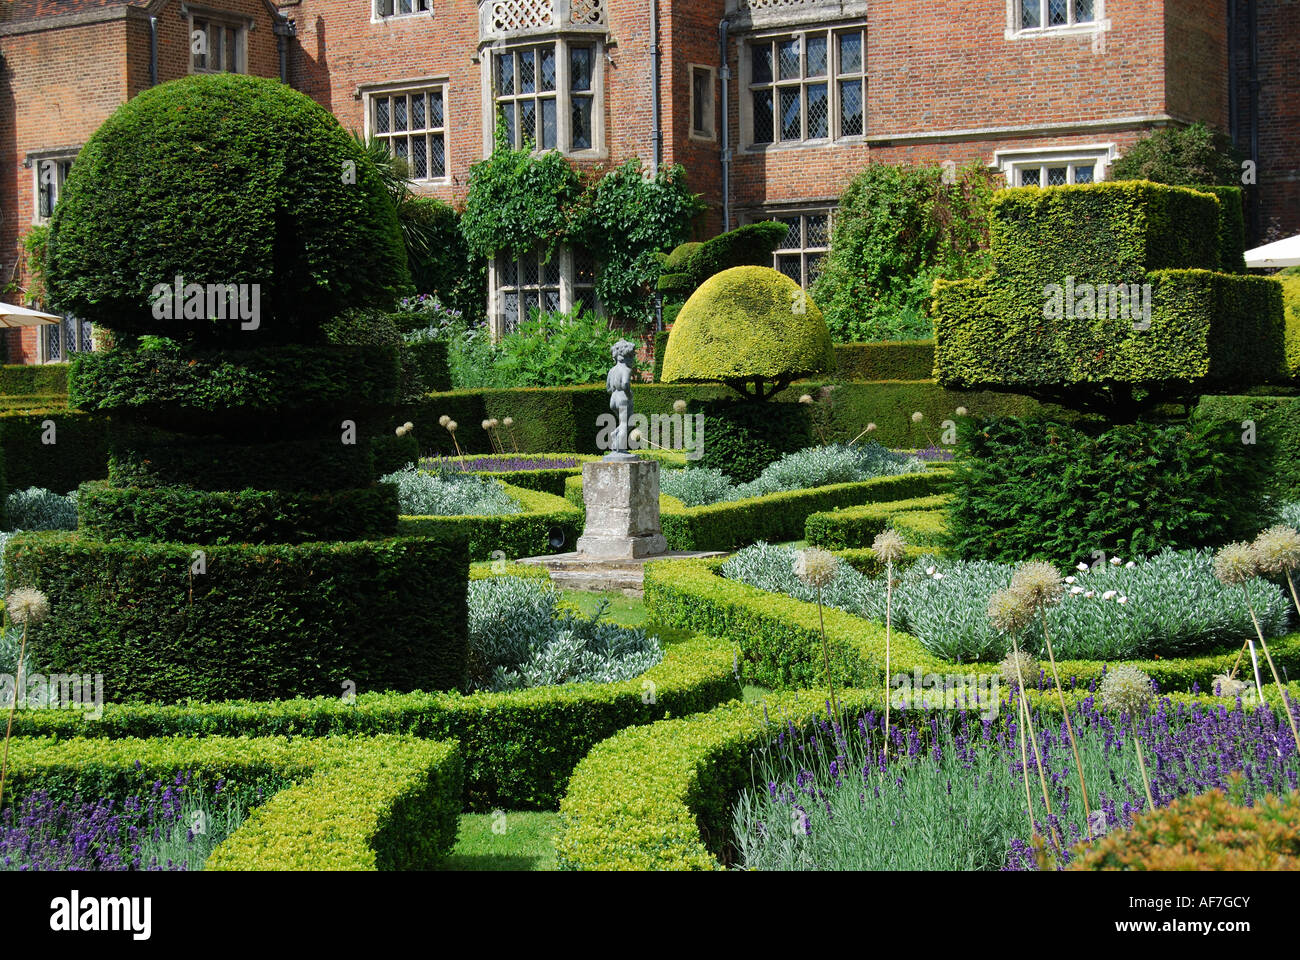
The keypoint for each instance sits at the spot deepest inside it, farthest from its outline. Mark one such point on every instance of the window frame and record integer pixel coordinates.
(227, 21)
(377, 17)
(83, 331)
(564, 95)
(832, 79)
(569, 288)
(805, 252)
(1014, 30)
(709, 134)
(371, 92)
(1012, 162)
(63, 160)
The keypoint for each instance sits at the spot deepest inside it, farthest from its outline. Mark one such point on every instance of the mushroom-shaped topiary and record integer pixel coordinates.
(751, 328)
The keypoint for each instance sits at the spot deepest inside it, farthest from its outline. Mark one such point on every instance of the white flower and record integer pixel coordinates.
(1115, 561)
(1076, 590)
(1110, 594)
(1091, 593)
(870, 427)
(1122, 600)
(1069, 579)
(1130, 565)
(929, 571)
(1082, 567)
(961, 411)
(938, 576)
(918, 417)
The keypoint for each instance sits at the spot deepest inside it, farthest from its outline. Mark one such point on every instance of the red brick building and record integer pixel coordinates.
(771, 105)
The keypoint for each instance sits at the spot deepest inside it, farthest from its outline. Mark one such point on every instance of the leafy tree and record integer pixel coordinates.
(897, 229)
(1183, 156)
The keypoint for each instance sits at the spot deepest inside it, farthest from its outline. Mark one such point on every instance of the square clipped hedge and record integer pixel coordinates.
(260, 621)
(79, 450)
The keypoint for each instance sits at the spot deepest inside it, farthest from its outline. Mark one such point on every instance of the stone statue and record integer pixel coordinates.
(618, 383)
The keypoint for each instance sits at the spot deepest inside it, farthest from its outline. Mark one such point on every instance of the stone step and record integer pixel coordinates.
(576, 571)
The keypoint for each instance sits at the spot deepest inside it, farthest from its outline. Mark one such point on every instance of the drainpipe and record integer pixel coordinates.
(724, 72)
(656, 133)
(1232, 70)
(153, 51)
(284, 29)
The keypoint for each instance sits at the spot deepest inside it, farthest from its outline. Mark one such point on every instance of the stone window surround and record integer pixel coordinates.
(709, 135)
(598, 37)
(35, 161)
(1097, 25)
(746, 118)
(242, 23)
(1100, 154)
(367, 92)
(377, 17)
(568, 289)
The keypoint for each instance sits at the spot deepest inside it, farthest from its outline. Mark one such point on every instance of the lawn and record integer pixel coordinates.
(517, 840)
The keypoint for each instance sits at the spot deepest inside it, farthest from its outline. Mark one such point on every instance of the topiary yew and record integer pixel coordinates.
(748, 327)
(223, 179)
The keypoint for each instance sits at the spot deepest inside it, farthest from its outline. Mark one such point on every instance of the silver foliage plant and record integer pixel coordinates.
(39, 509)
(1172, 605)
(804, 469)
(519, 637)
(449, 493)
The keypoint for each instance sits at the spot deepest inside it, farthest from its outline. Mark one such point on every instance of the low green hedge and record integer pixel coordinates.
(517, 535)
(32, 378)
(381, 803)
(904, 360)
(519, 747)
(776, 517)
(858, 526)
(276, 379)
(864, 559)
(184, 515)
(79, 450)
(147, 458)
(273, 620)
(780, 637)
(925, 528)
(1274, 425)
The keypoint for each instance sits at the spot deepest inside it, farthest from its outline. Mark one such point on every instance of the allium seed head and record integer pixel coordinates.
(487, 424)
(889, 546)
(871, 428)
(409, 426)
(1126, 689)
(1029, 668)
(634, 436)
(400, 431)
(1236, 563)
(962, 411)
(27, 606)
(918, 417)
(444, 420)
(815, 567)
(1009, 611)
(452, 425)
(508, 422)
(1039, 582)
(806, 398)
(1225, 686)
(1278, 549)
(679, 406)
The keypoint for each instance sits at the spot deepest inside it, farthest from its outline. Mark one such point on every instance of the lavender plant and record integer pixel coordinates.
(947, 795)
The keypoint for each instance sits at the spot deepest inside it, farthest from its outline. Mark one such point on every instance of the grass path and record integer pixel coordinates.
(513, 840)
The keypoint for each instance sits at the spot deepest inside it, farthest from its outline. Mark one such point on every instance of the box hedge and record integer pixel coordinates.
(519, 747)
(776, 517)
(904, 360)
(780, 637)
(858, 526)
(377, 803)
(28, 379)
(79, 450)
(1269, 428)
(275, 620)
(187, 515)
(525, 534)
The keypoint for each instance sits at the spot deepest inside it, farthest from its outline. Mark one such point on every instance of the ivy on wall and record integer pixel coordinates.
(519, 201)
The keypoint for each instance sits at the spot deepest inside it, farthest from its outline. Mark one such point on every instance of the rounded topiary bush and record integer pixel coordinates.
(223, 179)
(748, 326)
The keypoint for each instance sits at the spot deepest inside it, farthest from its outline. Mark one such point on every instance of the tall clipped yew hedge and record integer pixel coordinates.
(204, 566)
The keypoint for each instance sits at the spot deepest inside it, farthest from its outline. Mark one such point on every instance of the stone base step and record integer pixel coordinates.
(574, 571)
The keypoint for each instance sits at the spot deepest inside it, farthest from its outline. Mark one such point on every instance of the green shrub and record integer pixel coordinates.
(519, 639)
(1040, 489)
(393, 453)
(253, 154)
(897, 229)
(39, 509)
(519, 747)
(380, 803)
(523, 534)
(1268, 431)
(1195, 154)
(186, 515)
(1291, 301)
(742, 438)
(273, 620)
(53, 449)
(748, 325)
(445, 266)
(924, 528)
(909, 360)
(447, 494)
(690, 264)
(556, 350)
(1206, 832)
(858, 526)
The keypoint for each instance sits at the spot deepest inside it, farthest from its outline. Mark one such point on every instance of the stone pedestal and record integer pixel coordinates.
(622, 500)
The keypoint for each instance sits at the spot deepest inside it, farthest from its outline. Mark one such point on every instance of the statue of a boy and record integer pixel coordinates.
(618, 383)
